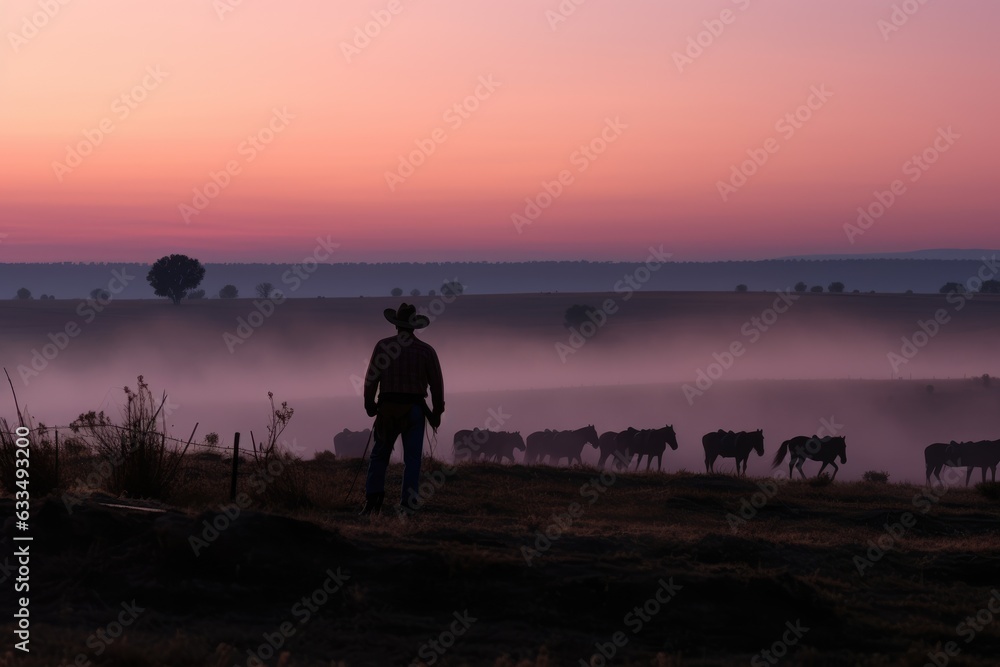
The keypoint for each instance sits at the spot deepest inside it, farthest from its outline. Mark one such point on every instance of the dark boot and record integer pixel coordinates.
(373, 504)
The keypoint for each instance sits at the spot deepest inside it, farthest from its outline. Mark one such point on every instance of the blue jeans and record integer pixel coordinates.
(410, 425)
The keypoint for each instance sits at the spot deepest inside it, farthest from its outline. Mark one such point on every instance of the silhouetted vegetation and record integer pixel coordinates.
(142, 464)
(196, 294)
(172, 276)
(100, 294)
(952, 288)
(264, 290)
(741, 288)
(44, 459)
(278, 464)
(801, 286)
(876, 476)
(836, 288)
(24, 294)
(816, 288)
(577, 314)
(414, 292)
(396, 291)
(452, 288)
(228, 292)
(990, 287)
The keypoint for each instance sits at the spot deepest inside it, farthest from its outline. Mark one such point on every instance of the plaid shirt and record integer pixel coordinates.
(407, 365)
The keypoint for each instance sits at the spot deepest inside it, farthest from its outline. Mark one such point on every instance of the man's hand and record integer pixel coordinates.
(434, 418)
(371, 408)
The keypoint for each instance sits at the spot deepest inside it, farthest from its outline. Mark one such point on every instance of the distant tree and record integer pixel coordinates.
(196, 294)
(24, 294)
(949, 288)
(397, 291)
(909, 291)
(229, 292)
(264, 290)
(452, 288)
(801, 286)
(986, 379)
(173, 275)
(431, 293)
(414, 292)
(816, 288)
(44, 297)
(741, 288)
(577, 314)
(100, 294)
(836, 287)
(990, 287)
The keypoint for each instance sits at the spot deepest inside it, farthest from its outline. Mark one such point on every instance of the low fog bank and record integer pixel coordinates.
(698, 361)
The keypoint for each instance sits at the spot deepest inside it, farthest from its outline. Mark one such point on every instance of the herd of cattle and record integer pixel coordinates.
(622, 447)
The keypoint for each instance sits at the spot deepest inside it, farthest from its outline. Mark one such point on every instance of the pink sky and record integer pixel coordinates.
(324, 173)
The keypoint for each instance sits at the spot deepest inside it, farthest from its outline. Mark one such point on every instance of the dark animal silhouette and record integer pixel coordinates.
(479, 444)
(936, 458)
(652, 442)
(804, 447)
(730, 445)
(608, 444)
(351, 444)
(558, 445)
(971, 455)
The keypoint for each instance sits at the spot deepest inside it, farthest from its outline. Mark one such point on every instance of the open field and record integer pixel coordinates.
(880, 574)
(733, 585)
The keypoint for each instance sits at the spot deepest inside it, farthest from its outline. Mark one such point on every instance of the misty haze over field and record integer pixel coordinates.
(660, 358)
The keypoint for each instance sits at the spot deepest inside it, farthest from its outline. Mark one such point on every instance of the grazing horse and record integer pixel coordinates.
(480, 444)
(351, 444)
(501, 445)
(731, 445)
(652, 442)
(936, 458)
(803, 447)
(558, 445)
(971, 455)
(616, 445)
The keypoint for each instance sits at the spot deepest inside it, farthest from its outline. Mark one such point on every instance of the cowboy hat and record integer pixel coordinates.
(406, 317)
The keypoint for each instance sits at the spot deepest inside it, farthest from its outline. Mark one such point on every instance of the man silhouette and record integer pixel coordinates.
(401, 370)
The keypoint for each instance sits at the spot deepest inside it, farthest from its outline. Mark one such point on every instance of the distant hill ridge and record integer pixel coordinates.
(937, 253)
(919, 271)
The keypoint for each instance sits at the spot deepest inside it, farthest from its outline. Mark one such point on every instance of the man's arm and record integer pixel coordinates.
(435, 382)
(372, 377)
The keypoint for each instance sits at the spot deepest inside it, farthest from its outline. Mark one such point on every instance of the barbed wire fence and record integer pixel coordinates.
(234, 450)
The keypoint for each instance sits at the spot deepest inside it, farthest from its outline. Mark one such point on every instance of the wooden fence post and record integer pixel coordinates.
(236, 465)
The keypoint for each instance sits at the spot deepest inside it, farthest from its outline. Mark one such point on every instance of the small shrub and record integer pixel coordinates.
(822, 480)
(325, 456)
(276, 464)
(43, 458)
(143, 465)
(876, 476)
